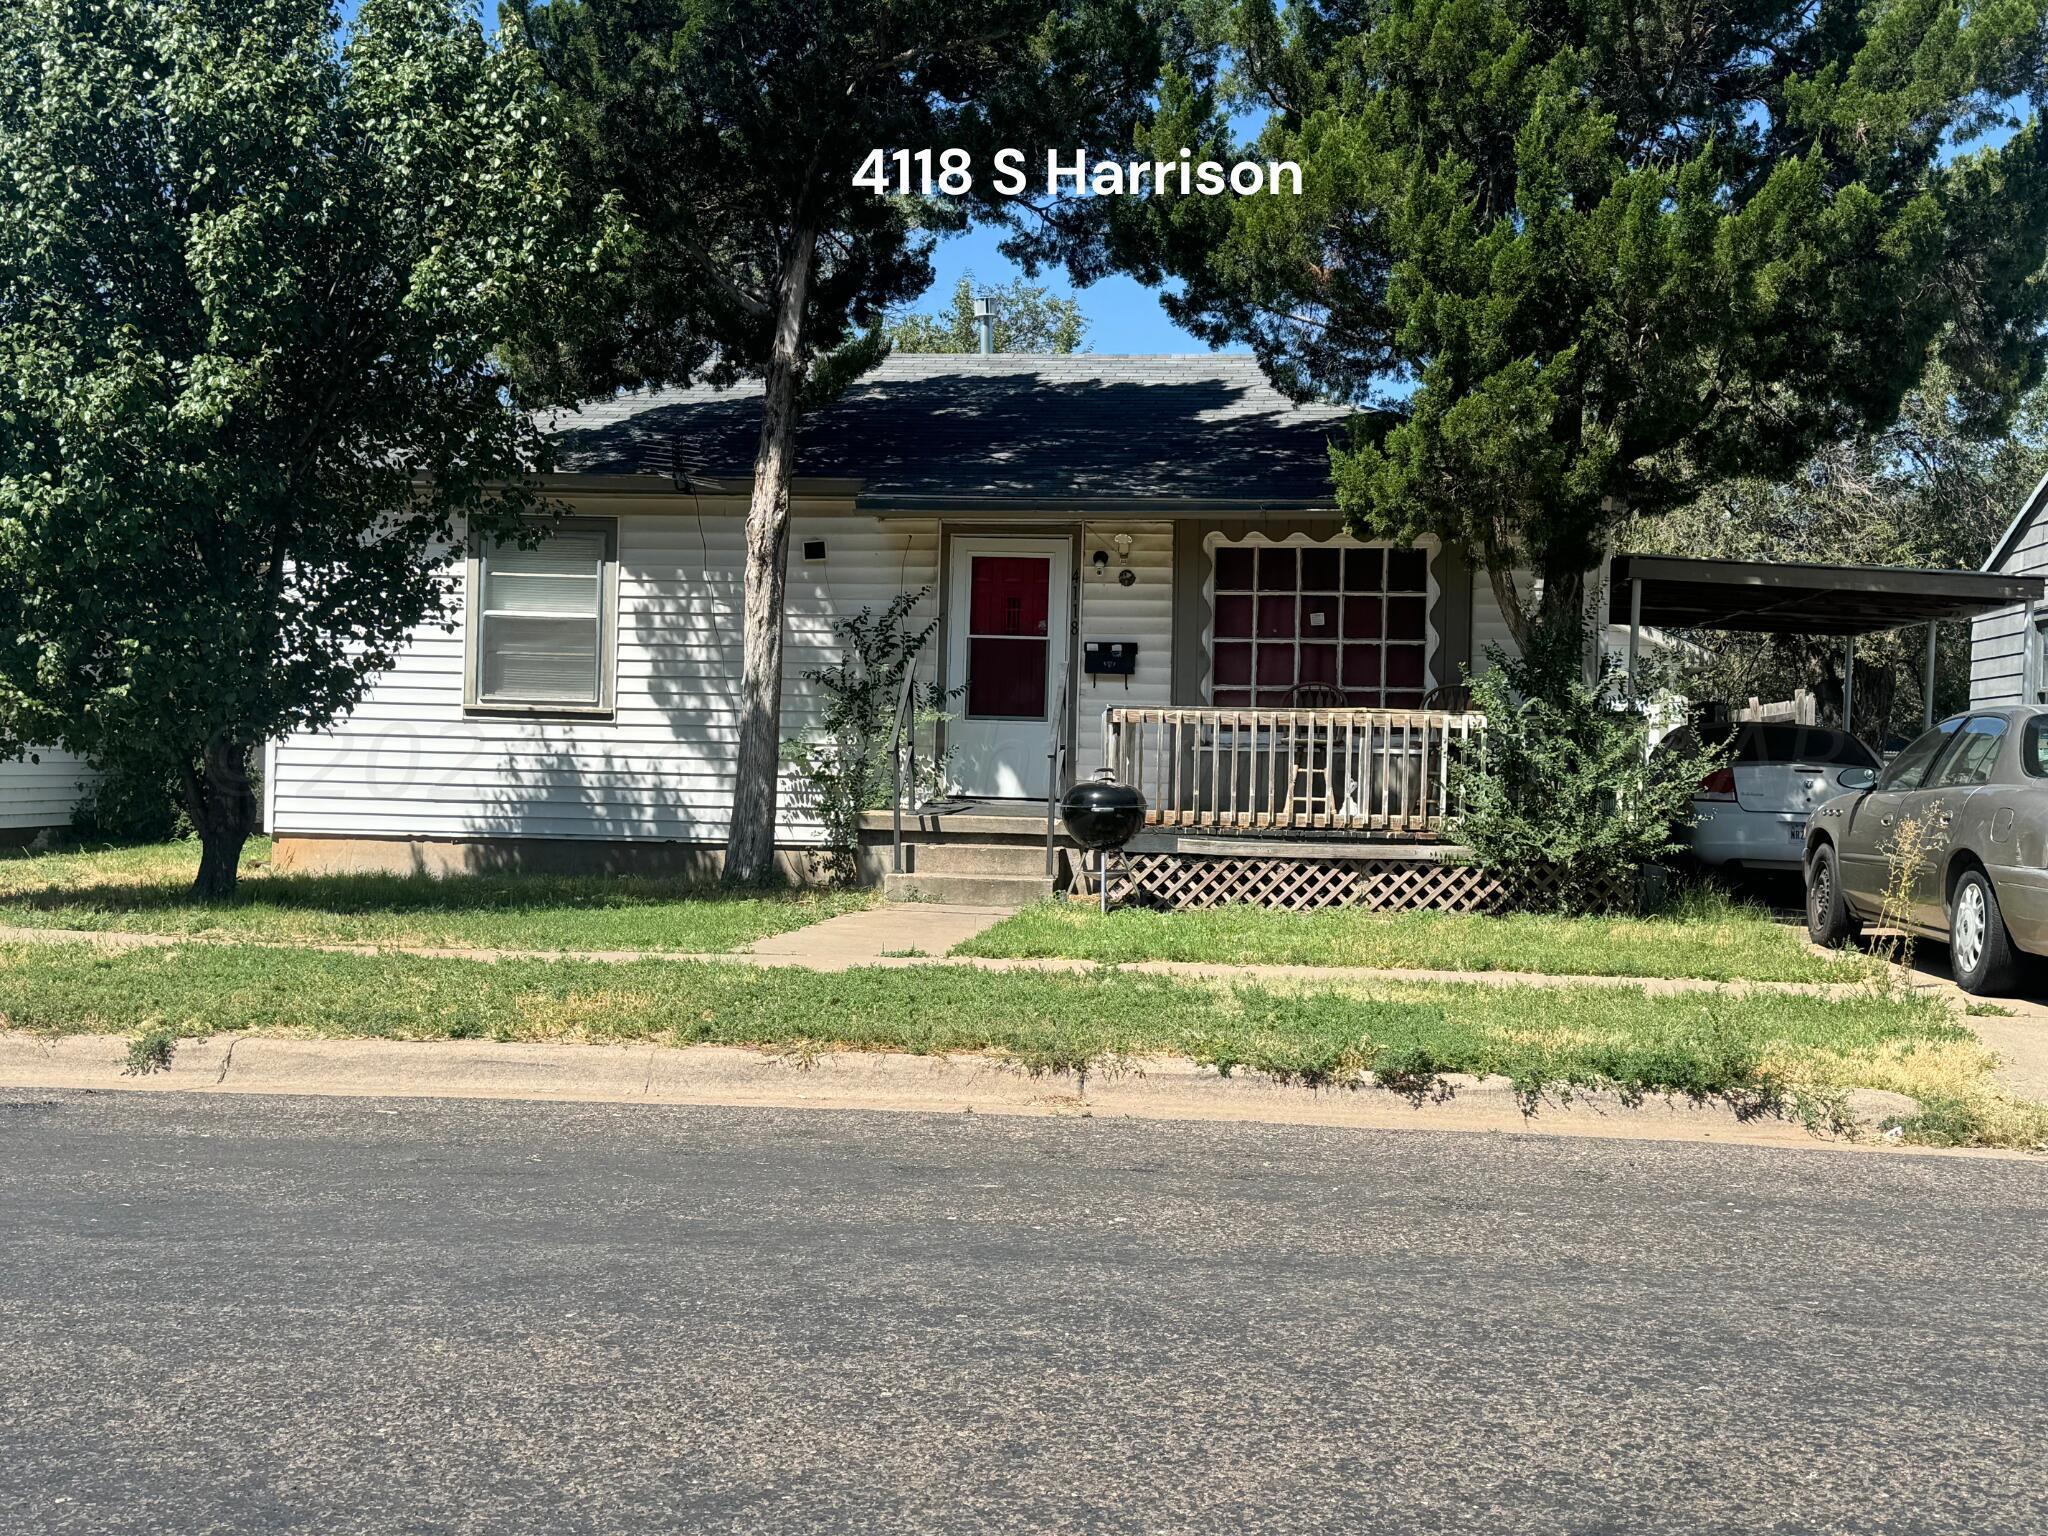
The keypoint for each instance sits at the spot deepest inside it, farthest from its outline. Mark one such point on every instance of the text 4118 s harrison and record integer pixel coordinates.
(950, 173)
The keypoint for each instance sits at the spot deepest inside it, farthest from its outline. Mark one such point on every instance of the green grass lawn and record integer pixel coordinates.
(1708, 938)
(148, 890)
(1775, 1052)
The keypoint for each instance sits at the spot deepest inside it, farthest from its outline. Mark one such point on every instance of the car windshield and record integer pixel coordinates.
(1801, 744)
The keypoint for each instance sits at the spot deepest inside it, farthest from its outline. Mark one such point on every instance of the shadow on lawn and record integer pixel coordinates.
(370, 894)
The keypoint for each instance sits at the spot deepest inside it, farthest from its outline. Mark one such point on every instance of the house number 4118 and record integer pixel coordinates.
(914, 172)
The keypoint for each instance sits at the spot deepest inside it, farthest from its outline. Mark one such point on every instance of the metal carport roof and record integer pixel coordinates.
(1769, 597)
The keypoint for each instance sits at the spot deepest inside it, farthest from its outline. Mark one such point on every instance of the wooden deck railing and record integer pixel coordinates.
(1331, 770)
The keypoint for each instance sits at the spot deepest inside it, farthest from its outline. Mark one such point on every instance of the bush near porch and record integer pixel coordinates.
(1566, 803)
(148, 889)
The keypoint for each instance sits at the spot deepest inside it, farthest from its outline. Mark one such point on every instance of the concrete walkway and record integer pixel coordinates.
(905, 930)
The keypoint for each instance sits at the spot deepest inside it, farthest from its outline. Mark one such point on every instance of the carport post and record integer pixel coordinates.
(1927, 685)
(1635, 629)
(2029, 651)
(1849, 686)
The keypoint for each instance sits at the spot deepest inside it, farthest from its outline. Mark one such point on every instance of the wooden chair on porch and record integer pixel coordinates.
(1308, 790)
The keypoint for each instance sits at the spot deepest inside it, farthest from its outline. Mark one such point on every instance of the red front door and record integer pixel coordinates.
(1010, 606)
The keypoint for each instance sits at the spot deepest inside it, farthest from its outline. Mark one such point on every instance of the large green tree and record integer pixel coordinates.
(728, 133)
(1028, 318)
(251, 268)
(1578, 260)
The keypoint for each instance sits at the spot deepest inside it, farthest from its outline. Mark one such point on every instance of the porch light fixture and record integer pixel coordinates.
(1101, 562)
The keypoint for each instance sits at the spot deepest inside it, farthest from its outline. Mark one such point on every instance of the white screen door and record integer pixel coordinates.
(1007, 650)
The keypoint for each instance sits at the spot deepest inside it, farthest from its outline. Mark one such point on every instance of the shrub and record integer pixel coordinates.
(1566, 801)
(132, 800)
(843, 766)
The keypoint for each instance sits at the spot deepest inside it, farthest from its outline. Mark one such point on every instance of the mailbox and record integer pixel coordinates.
(1109, 658)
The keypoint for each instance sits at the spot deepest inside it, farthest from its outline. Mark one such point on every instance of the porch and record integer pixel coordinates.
(1336, 774)
(1291, 808)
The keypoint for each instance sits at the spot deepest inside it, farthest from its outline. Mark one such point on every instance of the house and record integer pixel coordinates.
(2008, 652)
(1133, 561)
(39, 792)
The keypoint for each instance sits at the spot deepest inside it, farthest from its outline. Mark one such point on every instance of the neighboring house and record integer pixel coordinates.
(38, 792)
(1180, 508)
(2009, 648)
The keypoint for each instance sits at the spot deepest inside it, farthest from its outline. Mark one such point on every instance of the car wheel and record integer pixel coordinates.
(1980, 951)
(1828, 918)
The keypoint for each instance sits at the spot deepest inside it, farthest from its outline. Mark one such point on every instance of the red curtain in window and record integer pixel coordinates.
(1356, 619)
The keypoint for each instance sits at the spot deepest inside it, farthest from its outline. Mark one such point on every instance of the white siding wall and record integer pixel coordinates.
(41, 793)
(409, 763)
(1489, 624)
(1998, 640)
(1141, 612)
(1997, 656)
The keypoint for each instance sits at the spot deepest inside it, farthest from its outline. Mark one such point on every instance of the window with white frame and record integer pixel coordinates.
(540, 620)
(1286, 616)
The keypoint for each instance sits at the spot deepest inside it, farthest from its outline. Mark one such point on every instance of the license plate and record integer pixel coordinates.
(1798, 832)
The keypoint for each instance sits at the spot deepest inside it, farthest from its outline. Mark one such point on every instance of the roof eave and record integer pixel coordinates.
(1025, 506)
(2029, 509)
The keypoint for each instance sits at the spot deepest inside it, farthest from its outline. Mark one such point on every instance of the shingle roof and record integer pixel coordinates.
(1007, 426)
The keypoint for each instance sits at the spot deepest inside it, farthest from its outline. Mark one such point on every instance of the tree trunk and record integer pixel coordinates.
(750, 839)
(1551, 630)
(223, 811)
(1562, 611)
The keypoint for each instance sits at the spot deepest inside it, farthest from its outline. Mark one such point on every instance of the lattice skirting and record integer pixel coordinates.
(1181, 880)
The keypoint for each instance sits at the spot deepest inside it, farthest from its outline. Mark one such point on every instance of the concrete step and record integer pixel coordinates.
(962, 824)
(948, 857)
(968, 890)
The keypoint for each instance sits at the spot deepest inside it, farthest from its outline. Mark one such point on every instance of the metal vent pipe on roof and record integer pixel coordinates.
(985, 324)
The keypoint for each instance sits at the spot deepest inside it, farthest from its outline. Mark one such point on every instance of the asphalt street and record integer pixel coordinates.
(339, 1316)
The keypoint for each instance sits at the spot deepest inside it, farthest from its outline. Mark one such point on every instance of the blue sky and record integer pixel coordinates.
(1123, 314)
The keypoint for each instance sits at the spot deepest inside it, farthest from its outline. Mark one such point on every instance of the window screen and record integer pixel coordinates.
(540, 627)
(1292, 615)
(1009, 604)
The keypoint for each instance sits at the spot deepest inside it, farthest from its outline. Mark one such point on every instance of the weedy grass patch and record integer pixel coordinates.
(1706, 937)
(148, 890)
(1763, 1054)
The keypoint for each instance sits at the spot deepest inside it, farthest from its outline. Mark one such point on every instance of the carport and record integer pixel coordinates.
(1766, 597)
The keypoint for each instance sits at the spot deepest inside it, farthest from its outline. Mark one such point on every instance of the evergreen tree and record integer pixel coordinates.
(1577, 261)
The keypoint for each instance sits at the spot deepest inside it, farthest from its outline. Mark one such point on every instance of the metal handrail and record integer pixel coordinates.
(1053, 754)
(904, 720)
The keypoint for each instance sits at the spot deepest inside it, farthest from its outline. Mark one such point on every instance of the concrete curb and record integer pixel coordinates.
(1151, 1089)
